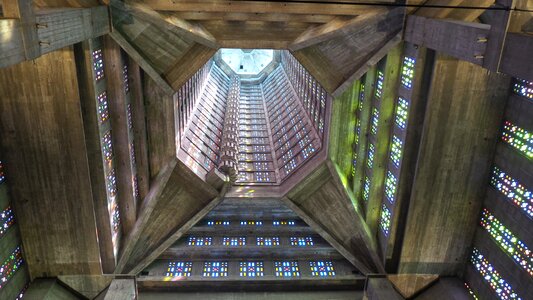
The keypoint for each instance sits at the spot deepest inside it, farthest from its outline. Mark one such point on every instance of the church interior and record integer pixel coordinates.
(264, 149)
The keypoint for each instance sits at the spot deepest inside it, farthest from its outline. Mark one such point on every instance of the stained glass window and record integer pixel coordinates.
(375, 121)
(126, 76)
(2, 175)
(251, 269)
(361, 96)
(7, 219)
(513, 190)
(301, 241)
(98, 64)
(267, 241)
(107, 146)
(283, 223)
(213, 223)
(286, 269)
(401, 112)
(366, 188)
(130, 119)
(111, 183)
(518, 138)
(379, 84)
(322, 268)
(10, 266)
(408, 72)
(215, 269)
(523, 88)
(492, 276)
(103, 112)
(22, 292)
(179, 269)
(370, 158)
(252, 223)
(390, 186)
(471, 292)
(234, 241)
(396, 151)
(385, 219)
(511, 245)
(200, 241)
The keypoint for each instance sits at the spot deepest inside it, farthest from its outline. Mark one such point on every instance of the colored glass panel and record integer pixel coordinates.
(492, 276)
(301, 241)
(218, 222)
(523, 88)
(10, 266)
(384, 222)
(396, 151)
(370, 158)
(375, 121)
(401, 112)
(215, 269)
(513, 190)
(234, 241)
(179, 269)
(379, 84)
(286, 269)
(408, 72)
(511, 245)
(7, 219)
(322, 268)
(518, 138)
(267, 241)
(107, 146)
(2, 174)
(283, 223)
(103, 112)
(200, 241)
(366, 188)
(98, 64)
(472, 294)
(251, 269)
(390, 186)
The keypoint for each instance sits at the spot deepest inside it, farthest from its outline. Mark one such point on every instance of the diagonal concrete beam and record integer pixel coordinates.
(341, 26)
(321, 201)
(176, 197)
(191, 31)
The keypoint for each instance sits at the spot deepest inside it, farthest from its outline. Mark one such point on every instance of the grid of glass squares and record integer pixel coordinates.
(408, 72)
(301, 241)
(234, 241)
(518, 138)
(200, 241)
(215, 269)
(523, 88)
(179, 269)
(98, 64)
(267, 241)
(401, 112)
(286, 269)
(251, 269)
(384, 222)
(492, 276)
(322, 268)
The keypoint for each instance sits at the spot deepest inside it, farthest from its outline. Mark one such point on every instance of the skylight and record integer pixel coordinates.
(247, 61)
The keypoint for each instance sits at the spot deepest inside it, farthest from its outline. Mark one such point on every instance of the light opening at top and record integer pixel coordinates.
(247, 61)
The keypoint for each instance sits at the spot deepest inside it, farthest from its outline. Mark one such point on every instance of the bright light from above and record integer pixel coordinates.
(247, 61)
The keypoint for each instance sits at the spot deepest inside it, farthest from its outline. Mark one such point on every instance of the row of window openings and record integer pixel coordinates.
(522, 141)
(98, 68)
(248, 269)
(241, 241)
(401, 115)
(251, 223)
(14, 262)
